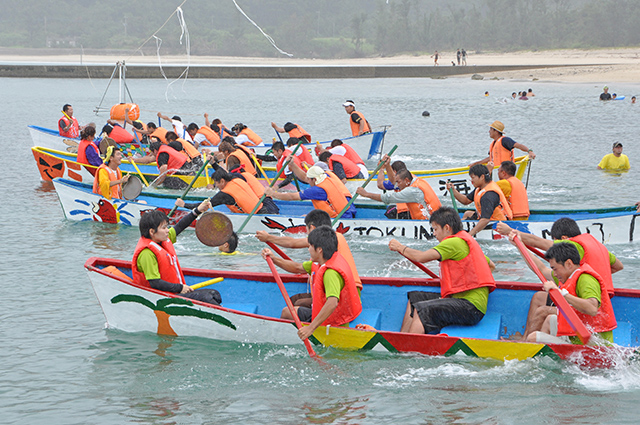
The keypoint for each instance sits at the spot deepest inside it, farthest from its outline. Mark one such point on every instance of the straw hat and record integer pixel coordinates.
(497, 126)
(317, 173)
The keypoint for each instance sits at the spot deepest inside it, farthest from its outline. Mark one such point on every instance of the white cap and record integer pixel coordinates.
(322, 165)
(316, 173)
(349, 103)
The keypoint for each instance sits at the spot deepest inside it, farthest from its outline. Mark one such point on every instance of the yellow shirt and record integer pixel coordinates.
(505, 186)
(612, 162)
(104, 181)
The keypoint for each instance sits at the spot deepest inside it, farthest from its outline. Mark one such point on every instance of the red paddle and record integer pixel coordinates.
(287, 300)
(536, 251)
(278, 251)
(557, 298)
(422, 267)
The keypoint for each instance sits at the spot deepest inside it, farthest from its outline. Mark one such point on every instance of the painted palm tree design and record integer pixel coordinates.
(164, 310)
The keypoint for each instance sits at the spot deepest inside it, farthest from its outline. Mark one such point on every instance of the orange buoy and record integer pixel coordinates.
(117, 111)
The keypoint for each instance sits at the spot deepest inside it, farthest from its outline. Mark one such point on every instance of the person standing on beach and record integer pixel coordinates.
(435, 57)
(458, 56)
(464, 57)
(605, 95)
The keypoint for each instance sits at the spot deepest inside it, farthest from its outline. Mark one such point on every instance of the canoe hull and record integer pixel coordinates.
(135, 309)
(79, 203)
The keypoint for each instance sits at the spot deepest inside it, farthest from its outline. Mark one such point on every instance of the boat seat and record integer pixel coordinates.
(487, 328)
(247, 308)
(622, 334)
(371, 317)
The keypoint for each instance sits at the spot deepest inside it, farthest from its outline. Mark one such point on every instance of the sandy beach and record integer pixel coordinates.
(597, 66)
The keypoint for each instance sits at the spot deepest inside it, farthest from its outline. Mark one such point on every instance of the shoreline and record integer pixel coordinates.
(585, 66)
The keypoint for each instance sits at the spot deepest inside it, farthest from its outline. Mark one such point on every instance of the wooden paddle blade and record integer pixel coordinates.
(132, 188)
(567, 311)
(213, 228)
(287, 300)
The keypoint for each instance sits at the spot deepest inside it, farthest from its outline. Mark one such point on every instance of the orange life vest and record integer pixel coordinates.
(498, 154)
(120, 135)
(299, 133)
(502, 211)
(114, 191)
(176, 159)
(351, 169)
(336, 200)
(351, 154)
(283, 159)
(168, 264)
(349, 306)
(355, 127)
(82, 150)
(188, 149)
(338, 183)
(303, 154)
(603, 321)
(243, 195)
(213, 138)
(160, 133)
(345, 251)
(430, 198)
(518, 200)
(244, 160)
(469, 273)
(596, 256)
(255, 139)
(74, 130)
(254, 183)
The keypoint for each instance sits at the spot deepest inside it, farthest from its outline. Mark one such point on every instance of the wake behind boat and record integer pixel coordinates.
(79, 203)
(251, 306)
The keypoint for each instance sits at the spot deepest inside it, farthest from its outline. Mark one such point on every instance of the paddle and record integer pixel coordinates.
(278, 251)
(557, 298)
(526, 186)
(131, 160)
(536, 251)
(275, 179)
(214, 228)
(353, 198)
(453, 199)
(287, 300)
(295, 180)
(207, 283)
(184, 194)
(422, 267)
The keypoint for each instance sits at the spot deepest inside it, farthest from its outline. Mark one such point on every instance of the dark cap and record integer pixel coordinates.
(617, 144)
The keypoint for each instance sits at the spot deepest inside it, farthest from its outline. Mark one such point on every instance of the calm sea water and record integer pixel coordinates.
(59, 365)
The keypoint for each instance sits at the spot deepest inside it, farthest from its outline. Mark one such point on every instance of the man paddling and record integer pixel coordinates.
(487, 196)
(583, 288)
(155, 263)
(465, 278)
(514, 190)
(336, 301)
(501, 148)
(590, 251)
(293, 130)
(415, 193)
(108, 179)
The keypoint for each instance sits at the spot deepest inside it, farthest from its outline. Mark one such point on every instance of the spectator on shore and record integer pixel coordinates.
(464, 57)
(435, 57)
(458, 56)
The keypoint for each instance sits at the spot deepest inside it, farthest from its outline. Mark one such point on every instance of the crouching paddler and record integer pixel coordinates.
(155, 263)
(336, 301)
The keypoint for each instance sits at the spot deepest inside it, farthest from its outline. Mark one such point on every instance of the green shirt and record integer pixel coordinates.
(612, 258)
(589, 287)
(457, 249)
(147, 261)
(333, 281)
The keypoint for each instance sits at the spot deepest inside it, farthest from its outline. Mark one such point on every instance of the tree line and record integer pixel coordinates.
(321, 28)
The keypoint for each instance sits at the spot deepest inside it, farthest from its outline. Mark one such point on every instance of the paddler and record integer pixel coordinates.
(108, 179)
(584, 289)
(398, 211)
(293, 130)
(338, 147)
(324, 193)
(170, 160)
(228, 148)
(187, 148)
(357, 121)
(280, 155)
(336, 301)
(88, 151)
(68, 124)
(487, 196)
(246, 136)
(590, 250)
(341, 166)
(465, 278)
(178, 127)
(236, 194)
(155, 263)
(514, 190)
(415, 193)
(115, 131)
(313, 220)
(501, 148)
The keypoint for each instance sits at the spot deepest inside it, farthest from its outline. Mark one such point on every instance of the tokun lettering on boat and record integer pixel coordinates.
(295, 228)
(419, 232)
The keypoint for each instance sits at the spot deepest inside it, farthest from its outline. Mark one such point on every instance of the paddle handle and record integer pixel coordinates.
(353, 198)
(275, 179)
(567, 311)
(139, 172)
(287, 300)
(421, 267)
(453, 200)
(184, 194)
(207, 283)
(278, 251)
(536, 251)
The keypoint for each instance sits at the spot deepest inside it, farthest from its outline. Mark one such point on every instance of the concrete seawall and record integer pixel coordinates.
(268, 71)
